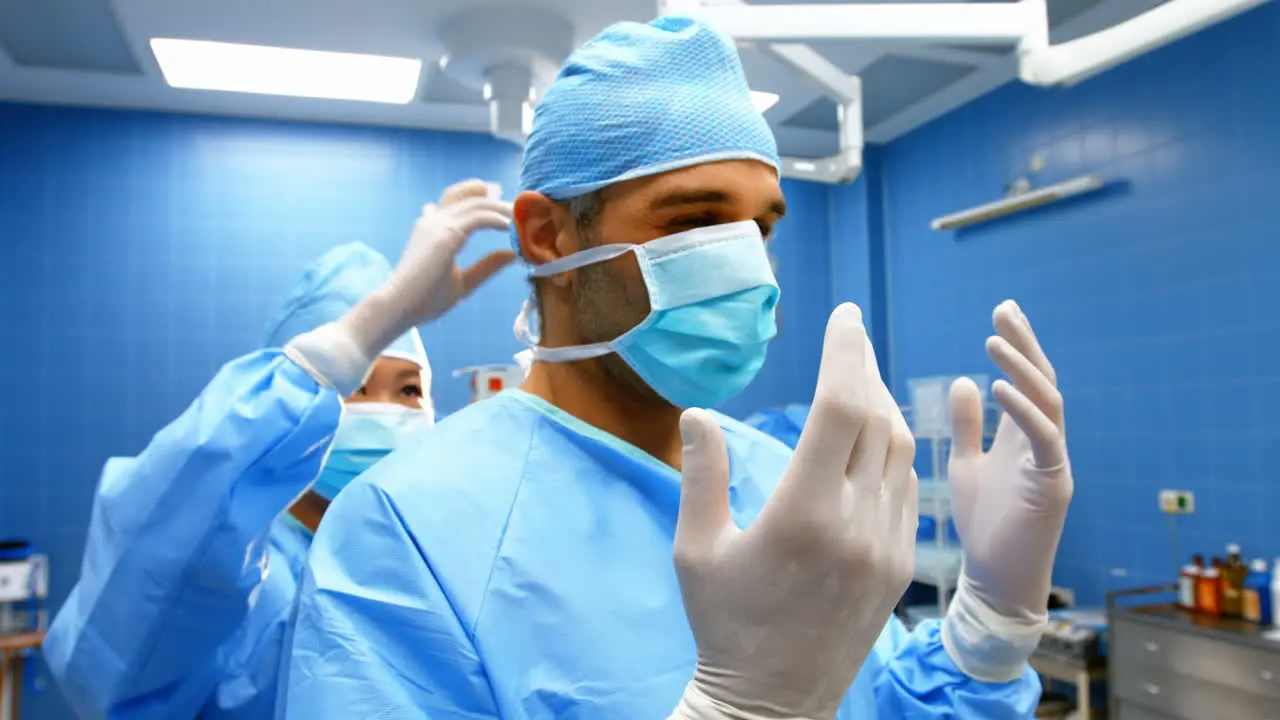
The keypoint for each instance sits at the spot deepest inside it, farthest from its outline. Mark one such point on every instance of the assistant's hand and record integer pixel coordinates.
(426, 283)
(786, 611)
(1010, 504)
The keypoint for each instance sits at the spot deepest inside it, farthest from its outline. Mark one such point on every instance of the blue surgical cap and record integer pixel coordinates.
(331, 286)
(639, 100)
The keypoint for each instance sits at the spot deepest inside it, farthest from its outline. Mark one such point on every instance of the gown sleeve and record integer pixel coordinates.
(918, 680)
(178, 542)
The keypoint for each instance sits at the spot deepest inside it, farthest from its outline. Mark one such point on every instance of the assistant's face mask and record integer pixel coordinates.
(367, 432)
(712, 296)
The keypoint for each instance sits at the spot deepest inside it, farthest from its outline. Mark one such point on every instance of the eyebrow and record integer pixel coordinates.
(408, 373)
(707, 197)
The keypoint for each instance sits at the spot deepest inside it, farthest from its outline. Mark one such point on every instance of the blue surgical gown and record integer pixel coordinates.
(191, 570)
(782, 424)
(516, 563)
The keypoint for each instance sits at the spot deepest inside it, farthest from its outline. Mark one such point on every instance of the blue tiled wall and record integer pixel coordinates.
(1158, 301)
(858, 250)
(142, 251)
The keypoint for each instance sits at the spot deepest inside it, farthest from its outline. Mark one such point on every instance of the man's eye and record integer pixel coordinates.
(411, 391)
(690, 222)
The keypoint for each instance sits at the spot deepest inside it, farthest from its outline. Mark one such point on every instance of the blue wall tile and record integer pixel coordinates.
(857, 250)
(1157, 300)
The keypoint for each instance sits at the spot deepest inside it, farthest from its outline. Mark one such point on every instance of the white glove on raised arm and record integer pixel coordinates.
(1010, 505)
(786, 611)
(425, 285)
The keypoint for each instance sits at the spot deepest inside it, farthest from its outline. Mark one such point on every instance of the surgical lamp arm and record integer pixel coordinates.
(846, 164)
(982, 23)
(1078, 60)
(1024, 24)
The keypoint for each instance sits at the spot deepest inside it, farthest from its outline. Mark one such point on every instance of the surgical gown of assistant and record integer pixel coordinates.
(190, 570)
(516, 563)
(782, 424)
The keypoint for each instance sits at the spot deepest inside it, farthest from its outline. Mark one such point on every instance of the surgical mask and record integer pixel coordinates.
(367, 432)
(711, 313)
(524, 360)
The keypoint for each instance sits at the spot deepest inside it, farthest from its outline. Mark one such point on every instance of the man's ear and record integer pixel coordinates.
(541, 224)
(536, 225)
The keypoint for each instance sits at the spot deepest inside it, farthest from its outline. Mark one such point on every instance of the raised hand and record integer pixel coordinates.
(786, 611)
(1010, 502)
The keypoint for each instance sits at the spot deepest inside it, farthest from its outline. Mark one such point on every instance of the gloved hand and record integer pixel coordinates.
(425, 284)
(1010, 504)
(786, 611)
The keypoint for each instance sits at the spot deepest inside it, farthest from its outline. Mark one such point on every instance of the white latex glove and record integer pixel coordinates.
(786, 611)
(1010, 504)
(426, 284)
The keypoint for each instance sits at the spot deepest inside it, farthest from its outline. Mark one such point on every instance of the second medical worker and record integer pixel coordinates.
(195, 546)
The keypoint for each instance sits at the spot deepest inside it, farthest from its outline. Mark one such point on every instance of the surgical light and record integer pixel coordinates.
(266, 70)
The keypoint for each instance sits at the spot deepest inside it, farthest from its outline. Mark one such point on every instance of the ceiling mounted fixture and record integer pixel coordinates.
(511, 61)
(266, 70)
(1023, 25)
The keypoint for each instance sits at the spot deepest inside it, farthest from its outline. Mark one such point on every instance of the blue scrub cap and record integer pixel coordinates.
(639, 100)
(331, 286)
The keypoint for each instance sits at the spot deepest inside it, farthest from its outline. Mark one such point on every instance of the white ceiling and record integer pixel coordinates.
(96, 52)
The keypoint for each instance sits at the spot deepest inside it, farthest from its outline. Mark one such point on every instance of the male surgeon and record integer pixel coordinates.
(195, 545)
(517, 561)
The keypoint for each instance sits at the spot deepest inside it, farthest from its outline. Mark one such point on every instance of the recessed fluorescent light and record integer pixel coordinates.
(763, 100)
(265, 70)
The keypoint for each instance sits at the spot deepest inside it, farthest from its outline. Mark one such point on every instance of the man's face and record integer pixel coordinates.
(393, 380)
(610, 298)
